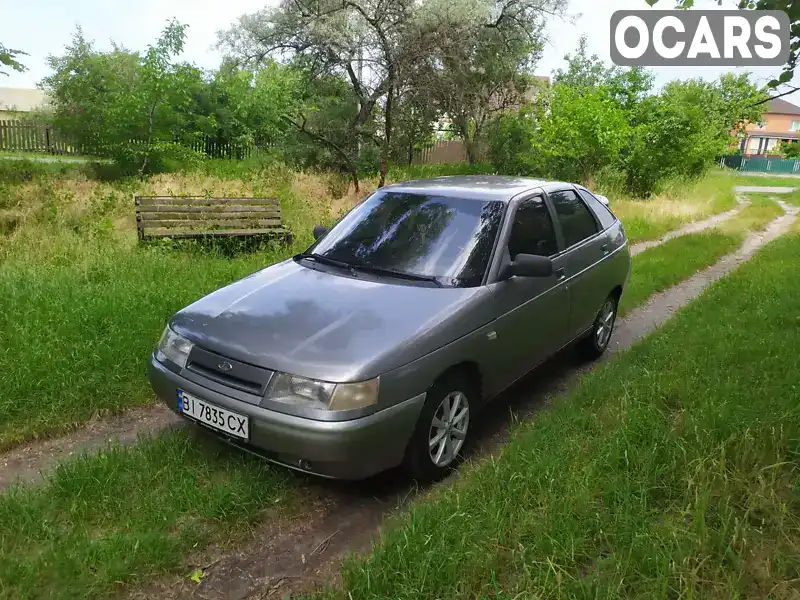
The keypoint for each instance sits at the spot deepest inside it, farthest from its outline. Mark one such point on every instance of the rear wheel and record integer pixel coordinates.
(596, 343)
(442, 430)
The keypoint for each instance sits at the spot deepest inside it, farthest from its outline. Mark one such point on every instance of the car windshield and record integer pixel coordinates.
(429, 236)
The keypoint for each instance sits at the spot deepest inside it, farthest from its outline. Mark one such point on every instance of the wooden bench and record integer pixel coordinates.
(198, 216)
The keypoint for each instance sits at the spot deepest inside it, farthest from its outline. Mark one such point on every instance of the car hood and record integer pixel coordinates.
(322, 325)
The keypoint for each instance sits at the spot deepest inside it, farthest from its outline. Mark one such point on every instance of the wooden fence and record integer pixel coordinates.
(446, 152)
(28, 136)
(214, 149)
(25, 136)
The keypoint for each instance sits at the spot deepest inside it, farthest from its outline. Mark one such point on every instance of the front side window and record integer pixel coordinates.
(532, 232)
(450, 239)
(576, 220)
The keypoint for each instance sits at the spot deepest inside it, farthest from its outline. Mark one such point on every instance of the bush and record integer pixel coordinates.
(673, 141)
(510, 140)
(19, 171)
(402, 173)
(133, 158)
(791, 150)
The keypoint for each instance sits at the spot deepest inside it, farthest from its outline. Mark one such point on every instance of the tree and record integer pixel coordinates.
(413, 122)
(337, 38)
(83, 87)
(584, 72)
(681, 131)
(791, 8)
(8, 58)
(162, 85)
(482, 58)
(584, 131)
(122, 104)
(511, 137)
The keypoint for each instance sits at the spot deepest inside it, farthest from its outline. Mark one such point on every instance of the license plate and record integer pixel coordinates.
(218, 418)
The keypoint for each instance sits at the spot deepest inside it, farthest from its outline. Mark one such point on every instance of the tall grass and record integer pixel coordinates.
(760, 211)
(677, 204)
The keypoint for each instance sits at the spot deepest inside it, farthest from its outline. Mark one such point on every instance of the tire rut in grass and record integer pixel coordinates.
(695, 227)
(280, 561)
(26, 463)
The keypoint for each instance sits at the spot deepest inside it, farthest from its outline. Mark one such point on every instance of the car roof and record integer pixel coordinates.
(474, 187)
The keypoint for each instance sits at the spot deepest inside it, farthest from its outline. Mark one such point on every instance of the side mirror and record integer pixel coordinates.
(530, 265)
(319, 231)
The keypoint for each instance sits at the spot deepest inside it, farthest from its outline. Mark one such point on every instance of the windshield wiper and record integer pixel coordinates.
(367, 269)
(324, 260)
(398, 274)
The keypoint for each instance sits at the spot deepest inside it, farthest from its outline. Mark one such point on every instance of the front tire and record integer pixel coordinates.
(596, 343)
(442, 431)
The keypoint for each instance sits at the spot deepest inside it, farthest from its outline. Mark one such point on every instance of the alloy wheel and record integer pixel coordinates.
(448, 429)
(605, 324)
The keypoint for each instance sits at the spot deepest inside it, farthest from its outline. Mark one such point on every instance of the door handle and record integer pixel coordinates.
(561, 274)
(604, 248)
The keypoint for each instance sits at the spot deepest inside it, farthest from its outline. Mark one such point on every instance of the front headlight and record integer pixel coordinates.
(321, 395)
(174, 347)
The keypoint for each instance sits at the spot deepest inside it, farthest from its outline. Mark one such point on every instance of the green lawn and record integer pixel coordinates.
(671, 472)
(80, 322)
(659, 268)
(132, 512)
(768, 181)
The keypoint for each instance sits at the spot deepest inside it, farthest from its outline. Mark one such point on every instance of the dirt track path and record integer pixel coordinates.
(695, 227)
(26, 463)
(281, 560)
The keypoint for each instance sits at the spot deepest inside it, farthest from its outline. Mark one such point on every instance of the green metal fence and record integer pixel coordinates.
(760, 165)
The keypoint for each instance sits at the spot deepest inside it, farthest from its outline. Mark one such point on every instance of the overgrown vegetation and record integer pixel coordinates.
(679, 203)
(670, 471)
(605, 125)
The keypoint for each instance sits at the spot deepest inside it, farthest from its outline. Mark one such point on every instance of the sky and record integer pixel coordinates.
(46, 26)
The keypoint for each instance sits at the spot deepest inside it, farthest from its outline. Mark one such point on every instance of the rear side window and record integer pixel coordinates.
(533, 231)
(607, 219)
(576, 220)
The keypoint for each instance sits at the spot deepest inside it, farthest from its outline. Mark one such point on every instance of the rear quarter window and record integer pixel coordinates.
(605, 216)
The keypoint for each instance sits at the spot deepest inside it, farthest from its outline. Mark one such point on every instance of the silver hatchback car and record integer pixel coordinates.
(377, 346)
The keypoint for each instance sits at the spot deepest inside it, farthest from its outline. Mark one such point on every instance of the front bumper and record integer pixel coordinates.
(353, 449)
